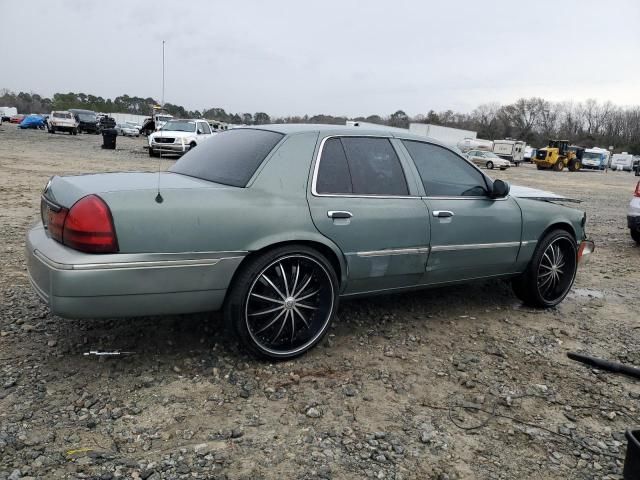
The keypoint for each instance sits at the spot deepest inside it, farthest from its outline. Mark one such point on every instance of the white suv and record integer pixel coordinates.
(63, 121)
(633, 215)
(178, 136)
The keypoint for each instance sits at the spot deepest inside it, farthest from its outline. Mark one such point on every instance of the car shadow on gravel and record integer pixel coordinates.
(198, 335)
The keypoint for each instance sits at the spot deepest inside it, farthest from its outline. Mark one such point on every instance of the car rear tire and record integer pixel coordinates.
(282, 303)
(551, 271)
(635, 234)
(490, 165)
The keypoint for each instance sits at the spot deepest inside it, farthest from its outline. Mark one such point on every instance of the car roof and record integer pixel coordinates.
(326, 130)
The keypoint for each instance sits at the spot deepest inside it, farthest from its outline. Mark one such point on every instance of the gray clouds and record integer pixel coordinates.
(336, 57)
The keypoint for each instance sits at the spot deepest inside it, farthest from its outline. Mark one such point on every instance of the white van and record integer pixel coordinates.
(622, 161)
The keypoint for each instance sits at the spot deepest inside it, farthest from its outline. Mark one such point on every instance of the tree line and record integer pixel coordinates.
(534, 120)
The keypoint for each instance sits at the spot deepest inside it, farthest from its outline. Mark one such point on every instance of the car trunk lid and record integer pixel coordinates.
(65, 191)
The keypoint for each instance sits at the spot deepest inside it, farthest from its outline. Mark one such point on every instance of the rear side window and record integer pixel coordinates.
(333, 171)
(230, 157)
(360, 166)
(443, 173)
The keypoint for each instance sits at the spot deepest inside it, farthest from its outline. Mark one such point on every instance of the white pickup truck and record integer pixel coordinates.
(177, 137)
(63, 122)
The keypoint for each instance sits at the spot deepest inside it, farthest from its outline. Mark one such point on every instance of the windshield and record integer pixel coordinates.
(163, 119)
(62, 115)
(87, 117)
(490, 155)
(230, 157)
(591, 156)
(179, 126)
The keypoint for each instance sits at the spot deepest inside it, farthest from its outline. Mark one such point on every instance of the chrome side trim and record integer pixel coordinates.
(140, 264)
(316, 167)
(527, 242)
(473, 246)
(394, 251)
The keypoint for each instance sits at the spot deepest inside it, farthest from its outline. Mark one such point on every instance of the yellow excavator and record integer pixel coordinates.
(559, 154)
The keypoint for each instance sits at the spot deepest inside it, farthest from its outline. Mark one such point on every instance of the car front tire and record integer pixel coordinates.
(551, 271)
(282, 302)
(490, 165)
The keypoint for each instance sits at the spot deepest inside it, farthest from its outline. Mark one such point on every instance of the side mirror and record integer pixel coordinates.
(500, 189)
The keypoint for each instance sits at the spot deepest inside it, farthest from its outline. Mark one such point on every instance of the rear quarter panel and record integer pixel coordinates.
(272, 209)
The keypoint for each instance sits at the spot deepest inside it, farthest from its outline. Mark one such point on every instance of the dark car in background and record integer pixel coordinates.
(87, 120)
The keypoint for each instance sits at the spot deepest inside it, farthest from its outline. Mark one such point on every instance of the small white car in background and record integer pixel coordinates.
(127, 130)
(633, 215)
(488, 159)
(63, 121)
(177, 137)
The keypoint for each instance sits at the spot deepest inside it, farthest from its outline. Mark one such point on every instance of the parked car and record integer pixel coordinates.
(87, 120)
(63, 121)
(633, 215)
(274, 224)
(177, 137)
(488, 159)
(32, 121)
(127, 130)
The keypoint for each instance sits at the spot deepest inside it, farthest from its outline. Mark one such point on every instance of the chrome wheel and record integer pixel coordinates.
(556, 270)
(289, 304)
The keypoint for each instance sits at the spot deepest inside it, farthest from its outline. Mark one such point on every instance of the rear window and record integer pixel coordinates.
(230, 157)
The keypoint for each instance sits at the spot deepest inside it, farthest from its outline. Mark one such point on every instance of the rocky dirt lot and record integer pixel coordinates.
(453, 383)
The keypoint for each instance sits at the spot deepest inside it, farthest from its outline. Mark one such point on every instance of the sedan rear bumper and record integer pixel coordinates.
(80, 285)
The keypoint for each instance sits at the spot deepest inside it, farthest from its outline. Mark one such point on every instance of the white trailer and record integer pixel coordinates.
(512, 150)
(475, 144)
(8, 111)
(622, 161)
(446, 135)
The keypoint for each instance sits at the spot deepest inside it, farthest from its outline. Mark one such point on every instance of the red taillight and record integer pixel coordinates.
(55, 223)
(88, 227)
(637, 191)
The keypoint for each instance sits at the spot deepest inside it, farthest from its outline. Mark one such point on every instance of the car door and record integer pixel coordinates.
(361, 199)
(472, 234)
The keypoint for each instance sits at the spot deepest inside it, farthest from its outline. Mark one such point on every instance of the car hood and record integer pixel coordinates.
(535, 194)
(65, 191)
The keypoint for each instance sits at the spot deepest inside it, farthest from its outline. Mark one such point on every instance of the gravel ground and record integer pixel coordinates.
(452, 383)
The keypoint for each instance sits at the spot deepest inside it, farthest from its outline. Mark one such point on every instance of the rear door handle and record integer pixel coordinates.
(442, 213)
(339, 214)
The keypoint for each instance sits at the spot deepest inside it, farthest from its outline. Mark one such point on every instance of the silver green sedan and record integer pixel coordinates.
(275, 224)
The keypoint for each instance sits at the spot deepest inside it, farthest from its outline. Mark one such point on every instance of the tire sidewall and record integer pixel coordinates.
(535, 263)
(235, 303)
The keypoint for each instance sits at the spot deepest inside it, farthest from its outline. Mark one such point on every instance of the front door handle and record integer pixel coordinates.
(442, 213)
(339, 214)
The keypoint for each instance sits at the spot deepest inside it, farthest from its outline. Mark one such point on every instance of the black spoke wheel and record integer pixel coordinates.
(282, 303)
(551, 271)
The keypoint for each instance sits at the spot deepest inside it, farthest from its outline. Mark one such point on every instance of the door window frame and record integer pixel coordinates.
(488, 180)
(401, 159)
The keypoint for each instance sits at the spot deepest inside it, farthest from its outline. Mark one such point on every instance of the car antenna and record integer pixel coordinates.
(159, 198)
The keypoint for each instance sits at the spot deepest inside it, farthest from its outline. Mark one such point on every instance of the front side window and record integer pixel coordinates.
(443, 173)
(360, 166)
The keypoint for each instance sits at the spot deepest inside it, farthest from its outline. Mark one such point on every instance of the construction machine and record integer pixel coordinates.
(559, 154)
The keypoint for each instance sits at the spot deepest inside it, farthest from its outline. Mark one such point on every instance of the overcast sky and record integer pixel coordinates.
(342, 57)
